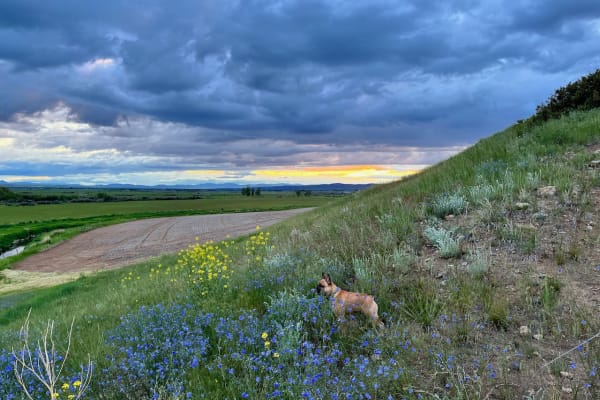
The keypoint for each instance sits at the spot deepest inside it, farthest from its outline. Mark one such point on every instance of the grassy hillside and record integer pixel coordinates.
(485, 267)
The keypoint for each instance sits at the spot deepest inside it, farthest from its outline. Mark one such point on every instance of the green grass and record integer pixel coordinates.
(99, 194)
(375, 241)
(233, 202)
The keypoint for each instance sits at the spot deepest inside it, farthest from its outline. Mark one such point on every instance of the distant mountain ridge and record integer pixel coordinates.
(200, 186)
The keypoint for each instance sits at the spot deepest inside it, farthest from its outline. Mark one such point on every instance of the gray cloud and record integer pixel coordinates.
(299, 72)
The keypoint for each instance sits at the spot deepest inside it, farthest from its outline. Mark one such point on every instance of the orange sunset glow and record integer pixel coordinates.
(338, 173)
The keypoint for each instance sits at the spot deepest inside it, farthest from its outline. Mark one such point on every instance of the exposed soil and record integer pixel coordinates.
(124, 244)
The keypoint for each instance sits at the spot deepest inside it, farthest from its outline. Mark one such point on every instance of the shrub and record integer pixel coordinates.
(291, 308)
(363, 271)
(583, 94)
(447, 204)
(402, 260)
(479, 265)
(442, 239)
(481, 193)
(491, 169)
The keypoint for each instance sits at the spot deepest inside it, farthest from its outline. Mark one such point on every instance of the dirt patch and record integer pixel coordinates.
(132, 242)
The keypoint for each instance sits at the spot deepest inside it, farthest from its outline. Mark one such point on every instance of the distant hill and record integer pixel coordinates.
(338, 187)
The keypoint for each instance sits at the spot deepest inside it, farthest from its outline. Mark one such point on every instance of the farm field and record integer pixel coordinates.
(92, 194)
(132, 242)
(44, 225)
(229, 203)
(485, 268)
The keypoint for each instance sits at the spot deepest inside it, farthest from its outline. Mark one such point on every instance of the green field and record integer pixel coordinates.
(93, 194)
(228, 203)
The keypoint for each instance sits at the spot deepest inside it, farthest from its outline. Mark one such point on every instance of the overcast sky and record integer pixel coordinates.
(264, 91)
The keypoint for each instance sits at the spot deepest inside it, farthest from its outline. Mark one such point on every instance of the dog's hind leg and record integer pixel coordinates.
(373, 314)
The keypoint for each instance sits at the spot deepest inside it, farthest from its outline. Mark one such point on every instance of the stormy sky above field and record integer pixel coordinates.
(304, 91)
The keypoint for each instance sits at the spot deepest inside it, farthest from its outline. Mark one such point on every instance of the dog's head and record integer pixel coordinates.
(325, 285)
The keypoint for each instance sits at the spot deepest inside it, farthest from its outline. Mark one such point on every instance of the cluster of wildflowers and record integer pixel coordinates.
(129, 277)
(257, 246)
(69, 391)
(261, 361)
(207, 266)
(152, 349)
(204, 267)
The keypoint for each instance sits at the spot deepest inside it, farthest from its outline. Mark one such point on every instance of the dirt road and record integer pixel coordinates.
(124, 244)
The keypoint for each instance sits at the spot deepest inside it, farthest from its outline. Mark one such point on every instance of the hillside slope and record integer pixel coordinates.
(506, 234)
(486, 268)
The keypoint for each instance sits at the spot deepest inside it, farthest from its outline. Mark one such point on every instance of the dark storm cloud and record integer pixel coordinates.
(552, 17)
(417, 73)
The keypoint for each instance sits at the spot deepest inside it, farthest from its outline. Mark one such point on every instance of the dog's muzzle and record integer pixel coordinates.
(319, 288)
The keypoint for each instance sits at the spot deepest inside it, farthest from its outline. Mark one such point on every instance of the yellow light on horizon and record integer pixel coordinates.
(353, 173)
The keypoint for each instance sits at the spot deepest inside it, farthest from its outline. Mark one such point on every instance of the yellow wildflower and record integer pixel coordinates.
(77, 383)
(65, 386)
(264, 336)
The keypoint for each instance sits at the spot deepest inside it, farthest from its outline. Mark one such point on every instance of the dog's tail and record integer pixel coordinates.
(380, 323)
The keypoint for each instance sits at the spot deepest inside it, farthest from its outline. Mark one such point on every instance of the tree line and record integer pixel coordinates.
(250, 191)
(583, 94)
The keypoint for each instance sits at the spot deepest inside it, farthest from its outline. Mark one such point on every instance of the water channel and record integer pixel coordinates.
(12, 252)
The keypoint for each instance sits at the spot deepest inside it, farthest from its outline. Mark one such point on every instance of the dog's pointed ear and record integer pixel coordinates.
(323, 275)
(328, 279)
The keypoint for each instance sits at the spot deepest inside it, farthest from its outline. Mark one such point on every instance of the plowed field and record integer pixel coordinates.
(124, 244)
